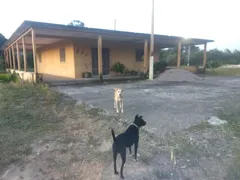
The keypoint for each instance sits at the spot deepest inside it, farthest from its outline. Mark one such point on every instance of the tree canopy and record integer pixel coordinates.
(76, 23)
(214, 56)
(2, 39)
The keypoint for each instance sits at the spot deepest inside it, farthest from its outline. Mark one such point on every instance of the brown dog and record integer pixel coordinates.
(118, 99)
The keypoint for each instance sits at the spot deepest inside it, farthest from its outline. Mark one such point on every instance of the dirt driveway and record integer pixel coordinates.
(166, 106)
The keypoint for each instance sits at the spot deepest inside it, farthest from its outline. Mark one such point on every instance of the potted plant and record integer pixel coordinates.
(118, 68)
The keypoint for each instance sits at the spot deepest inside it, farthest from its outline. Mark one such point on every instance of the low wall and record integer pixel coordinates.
(25, 76)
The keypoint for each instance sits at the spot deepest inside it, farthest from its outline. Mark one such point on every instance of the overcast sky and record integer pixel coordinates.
(217, 20)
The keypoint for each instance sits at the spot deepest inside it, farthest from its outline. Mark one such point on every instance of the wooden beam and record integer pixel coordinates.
(205, 55)
(24, 55)
(24, 34)
(179, 55)
(145, 66)
(13, 56)
(10, 58)
(34, 51)
(18, 57)
(100, 68)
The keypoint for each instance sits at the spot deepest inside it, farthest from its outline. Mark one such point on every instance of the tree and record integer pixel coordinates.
(2, 62)
(76, 23)
(2, 39)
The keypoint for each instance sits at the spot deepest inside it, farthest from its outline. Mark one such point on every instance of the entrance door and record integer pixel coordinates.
(94, 52)
(105, 59)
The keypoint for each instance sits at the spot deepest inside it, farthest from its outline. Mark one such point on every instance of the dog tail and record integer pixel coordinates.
(113, 135)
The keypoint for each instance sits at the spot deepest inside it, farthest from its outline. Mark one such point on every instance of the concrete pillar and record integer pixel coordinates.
(179, 55)
(100, 67)
(13, 58)
(145, 66)
(205, 55)
(24, 55)
(18, 57)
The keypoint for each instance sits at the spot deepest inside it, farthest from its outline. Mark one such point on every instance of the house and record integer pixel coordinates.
(62, 51)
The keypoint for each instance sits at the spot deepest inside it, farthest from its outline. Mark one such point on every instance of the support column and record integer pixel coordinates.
(205, 55)
(145, 66)
(151, 60)
(179, 55)
(10, 58)
(13, 58)
(24, 55)
(100, 67)
(18, 57)
(34, 52)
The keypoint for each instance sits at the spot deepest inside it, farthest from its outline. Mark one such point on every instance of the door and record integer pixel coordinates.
(94, 52)
(105, 59)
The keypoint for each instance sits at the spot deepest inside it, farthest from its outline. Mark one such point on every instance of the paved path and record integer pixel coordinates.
(166, 107)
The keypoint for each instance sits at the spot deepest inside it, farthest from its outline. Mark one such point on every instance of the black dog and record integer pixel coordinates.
(126, 140)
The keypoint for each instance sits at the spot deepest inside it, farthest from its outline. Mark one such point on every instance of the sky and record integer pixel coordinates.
(216, 20)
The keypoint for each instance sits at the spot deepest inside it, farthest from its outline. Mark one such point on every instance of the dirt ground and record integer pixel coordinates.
(176, 144)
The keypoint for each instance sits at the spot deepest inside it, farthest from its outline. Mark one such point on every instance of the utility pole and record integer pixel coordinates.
(189, 52)
(151, 60)
(115, 24)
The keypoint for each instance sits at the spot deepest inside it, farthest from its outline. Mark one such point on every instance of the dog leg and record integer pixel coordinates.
(130, 150)
(122, 105)
(114, 162)
(123, 156)
(117, 107)
(135, 151)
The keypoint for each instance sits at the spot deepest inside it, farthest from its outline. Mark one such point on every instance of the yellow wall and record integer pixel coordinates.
(79, 58)
(124, 54)
(83, 59)
(50, 60)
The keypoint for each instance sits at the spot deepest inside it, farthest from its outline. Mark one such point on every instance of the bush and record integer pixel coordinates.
(213, 64)
(118, 67)
(6, 78)
(160, 67)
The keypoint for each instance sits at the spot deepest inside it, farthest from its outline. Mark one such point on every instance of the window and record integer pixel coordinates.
(62, 55)
(139, 55)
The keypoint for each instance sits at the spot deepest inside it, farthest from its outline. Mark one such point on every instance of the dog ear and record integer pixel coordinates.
(115, 89)
(141, 117)
(136, 116)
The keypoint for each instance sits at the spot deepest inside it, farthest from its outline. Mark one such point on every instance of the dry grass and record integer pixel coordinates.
(44, 133)
(224, 71)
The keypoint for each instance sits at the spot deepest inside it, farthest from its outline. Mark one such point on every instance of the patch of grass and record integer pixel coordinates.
(224, 71)
(233, 172)
(26, 114)
(231, 113)
(162, 174)
(200, 127)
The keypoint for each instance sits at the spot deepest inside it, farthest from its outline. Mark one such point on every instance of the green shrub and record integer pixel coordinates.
(6, 78)
(160, 66)
(118, 67)
(213, 64)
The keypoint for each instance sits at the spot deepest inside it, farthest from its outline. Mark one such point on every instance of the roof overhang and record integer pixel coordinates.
(47, 33)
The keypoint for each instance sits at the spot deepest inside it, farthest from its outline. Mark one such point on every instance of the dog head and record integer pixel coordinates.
(118, 91)
(139, 121)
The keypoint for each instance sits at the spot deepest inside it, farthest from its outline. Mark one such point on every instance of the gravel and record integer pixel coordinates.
(178, 75)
